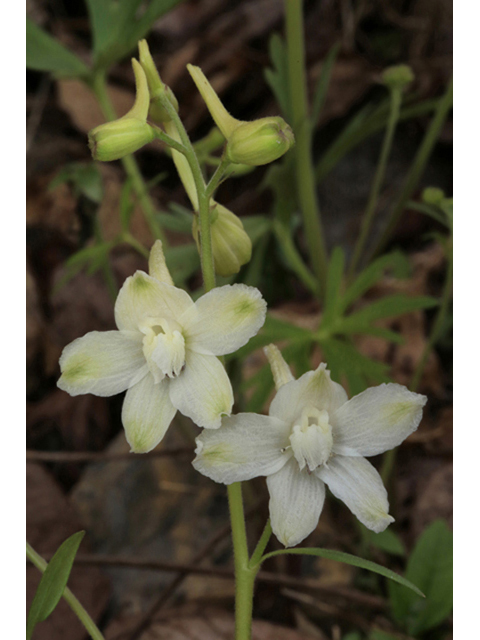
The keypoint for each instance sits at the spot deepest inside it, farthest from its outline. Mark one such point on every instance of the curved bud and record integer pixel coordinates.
(260, 142)
(280, 369)
(224, 121)
(398, 77)
(157, 266)
(116, 139)
(231, 244)
(157, 88)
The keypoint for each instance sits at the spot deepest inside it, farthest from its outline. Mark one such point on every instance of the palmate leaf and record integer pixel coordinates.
(347, 558)
(53, 582)
(44, 53)
(387, 307)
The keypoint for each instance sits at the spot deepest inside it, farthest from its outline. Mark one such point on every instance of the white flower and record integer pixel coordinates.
(313, 436)
(164, 352)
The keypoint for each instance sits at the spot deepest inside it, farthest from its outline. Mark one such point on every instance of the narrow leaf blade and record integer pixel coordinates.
(347, 558)
(53, 582)
(44, 53)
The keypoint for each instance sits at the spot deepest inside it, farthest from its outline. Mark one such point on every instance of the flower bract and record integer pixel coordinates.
(313, 436)
(164, 353)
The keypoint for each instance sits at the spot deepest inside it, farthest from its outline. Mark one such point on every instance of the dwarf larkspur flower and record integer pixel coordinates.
(164, 352)
(313, 436)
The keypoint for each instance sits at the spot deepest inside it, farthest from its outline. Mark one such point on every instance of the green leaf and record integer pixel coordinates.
(347, 558)
(431, 567)
(181, 221)
(387, 307)
(256, 227)
(366, 279)
(127, 205)
(334, 287)
(183, 261)
(323, 83)
(102, 21)
(363, 124)
(53, 582)
(91, 257)
(277, 78)
(344, 359)
(85, 178)
(386, 541)
(44, 53)
(377, 634)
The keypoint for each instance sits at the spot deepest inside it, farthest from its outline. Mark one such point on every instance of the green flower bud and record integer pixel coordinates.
(231, 245)
(433, 196)
(249, 143)
(260, 142)
(398, 77)
(157, 88)
(116, 139)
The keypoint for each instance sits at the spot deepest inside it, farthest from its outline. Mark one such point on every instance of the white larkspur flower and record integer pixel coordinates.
(164, 352)
(313, 436)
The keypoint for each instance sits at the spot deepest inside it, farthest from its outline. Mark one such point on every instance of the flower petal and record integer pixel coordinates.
(296, 501)
(376, 420)
(146, 414)
(202, 391)
(226, 319)
(143, 296)
(313, 389)
(358, 484)
(247, 445)
(103, 363)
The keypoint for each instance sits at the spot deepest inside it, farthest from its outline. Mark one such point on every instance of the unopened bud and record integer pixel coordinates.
(433, 196)
(158, 90)
(280, 370)
(249, 143)
(157, 266)
(260, 142)
(231, 244)
(116, 139)
(398, 77)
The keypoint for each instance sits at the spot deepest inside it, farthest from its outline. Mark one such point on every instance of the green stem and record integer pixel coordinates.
(244, 575)
(206, 254)
(305, 178)
(395, 104)
(416, 170)
(217, 176)
(133, 242)
(75, 605)
(130, 165)
(294, 258)
(261, 546)
(168, 140)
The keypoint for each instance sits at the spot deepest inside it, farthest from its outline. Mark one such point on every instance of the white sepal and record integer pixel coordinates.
(146, 414)
(226, 319)
(376, 420)
(103, 363)
(144, 297)
(313, 389)
(246, 446)
(202, 391)
(296, 501)
(358, 484)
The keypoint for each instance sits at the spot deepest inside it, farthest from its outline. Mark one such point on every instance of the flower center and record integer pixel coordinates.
(311, 439)
(163, 347)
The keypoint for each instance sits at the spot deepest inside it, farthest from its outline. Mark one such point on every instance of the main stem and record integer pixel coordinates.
(395, 103)
(244, 575)
(75, 604)
(130, 165)
(302, 129)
